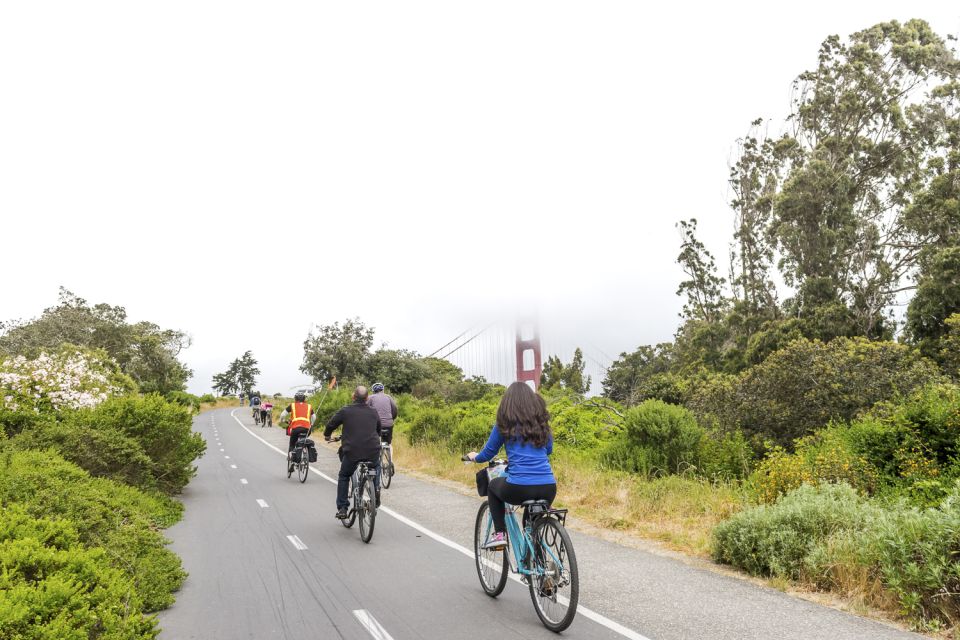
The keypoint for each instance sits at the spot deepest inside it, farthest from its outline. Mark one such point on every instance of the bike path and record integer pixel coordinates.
(249, 579)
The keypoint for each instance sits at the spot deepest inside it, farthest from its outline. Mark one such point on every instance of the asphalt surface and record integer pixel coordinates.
(290, 570)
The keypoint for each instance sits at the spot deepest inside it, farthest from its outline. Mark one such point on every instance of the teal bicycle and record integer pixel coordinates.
(540, 551)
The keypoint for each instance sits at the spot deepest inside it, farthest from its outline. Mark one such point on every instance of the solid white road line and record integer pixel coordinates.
(370, 624)
(263, 503)
(243, 481)
(587, 613)
(297, 542)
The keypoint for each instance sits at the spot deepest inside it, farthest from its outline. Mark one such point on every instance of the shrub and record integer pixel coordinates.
(776, 539)
(184, 399)
(808, 384)
(209, 398)
(162, 429)
(104, 514)
(100, 452)
(582, 424)
(52, 588)
(725, 456)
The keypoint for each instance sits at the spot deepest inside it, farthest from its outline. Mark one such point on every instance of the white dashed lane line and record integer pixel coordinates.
(263, 503)
(297, 542)
(233, 466)
(243, 481)
(372, 625)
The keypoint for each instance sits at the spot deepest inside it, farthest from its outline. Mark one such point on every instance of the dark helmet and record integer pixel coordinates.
(377, 387)
(299, 396)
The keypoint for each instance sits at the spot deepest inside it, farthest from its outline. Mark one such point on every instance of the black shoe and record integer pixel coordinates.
(341, 514)
(378, 498)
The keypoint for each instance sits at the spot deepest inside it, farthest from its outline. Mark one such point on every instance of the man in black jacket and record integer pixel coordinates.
(360, 441)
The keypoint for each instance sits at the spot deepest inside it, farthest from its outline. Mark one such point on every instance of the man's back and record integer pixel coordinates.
(386, 408)
(361, 431)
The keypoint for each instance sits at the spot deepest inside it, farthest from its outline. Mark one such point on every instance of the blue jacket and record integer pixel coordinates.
(527, 464)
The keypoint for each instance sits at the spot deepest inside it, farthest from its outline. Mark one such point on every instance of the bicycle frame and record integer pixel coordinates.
(521, 544)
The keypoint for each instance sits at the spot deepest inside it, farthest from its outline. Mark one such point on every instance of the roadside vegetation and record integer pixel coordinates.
(95, 442)
(807, 432)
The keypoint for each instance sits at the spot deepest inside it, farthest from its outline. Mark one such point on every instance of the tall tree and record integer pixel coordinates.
(704, 288)
(240, 376)
(337, 351)
(570, 376)
(861, 126)
(144, 351)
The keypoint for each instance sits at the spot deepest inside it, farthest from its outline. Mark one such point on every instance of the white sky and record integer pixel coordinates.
(244, 170)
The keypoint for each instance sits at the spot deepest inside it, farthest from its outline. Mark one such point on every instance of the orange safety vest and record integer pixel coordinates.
(299, 416)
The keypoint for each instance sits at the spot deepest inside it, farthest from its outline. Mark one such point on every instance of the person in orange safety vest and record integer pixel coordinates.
(301, 418)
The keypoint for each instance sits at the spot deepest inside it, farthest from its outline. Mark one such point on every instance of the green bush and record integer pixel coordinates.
(51, 588)
(808, 384)
(725, 456)
(163, 430)
(184, 399)
(581, 424)
(104, 513)
(208, 398)
(101, 452)
(775, 540)
(431, 425)
(658, 438)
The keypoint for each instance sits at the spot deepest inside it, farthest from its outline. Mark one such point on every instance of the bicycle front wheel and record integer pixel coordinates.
(491, 563)
(555, 581)
(386, 468)
(304, 465)
(367, 509)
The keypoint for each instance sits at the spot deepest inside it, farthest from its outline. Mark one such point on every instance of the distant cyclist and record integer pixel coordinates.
(265, 409)
(386, 409)
(255, 403)
(360, 441)
(522, 428)
(301, 417)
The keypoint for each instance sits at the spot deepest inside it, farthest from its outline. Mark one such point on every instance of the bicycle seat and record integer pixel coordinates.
(530, 503)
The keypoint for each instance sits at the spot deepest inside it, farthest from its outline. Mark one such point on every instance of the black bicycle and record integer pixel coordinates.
(363, 496)
(256, 415)
(266, 418)
(300, 458)
(386, 465)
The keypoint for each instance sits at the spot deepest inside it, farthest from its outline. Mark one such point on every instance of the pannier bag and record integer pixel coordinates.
(312, 448)
(485, 475)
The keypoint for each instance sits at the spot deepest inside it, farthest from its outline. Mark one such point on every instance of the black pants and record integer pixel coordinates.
(347, 467)
(386, 434)
(295, 435)
(501, 491)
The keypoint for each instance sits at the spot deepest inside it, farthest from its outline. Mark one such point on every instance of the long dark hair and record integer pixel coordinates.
(522, 415)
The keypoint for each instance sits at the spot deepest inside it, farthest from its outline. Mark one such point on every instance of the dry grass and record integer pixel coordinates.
(679, 512)
(221, 403)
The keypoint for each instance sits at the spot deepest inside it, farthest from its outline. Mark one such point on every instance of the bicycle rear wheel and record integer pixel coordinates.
(352, 510)
(491, 563)
(290, 465)
(304, 465)
(386, 468)
(367, 509)
(555, 582)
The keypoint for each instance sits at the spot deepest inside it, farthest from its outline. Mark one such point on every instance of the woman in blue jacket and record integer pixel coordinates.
(522, 427)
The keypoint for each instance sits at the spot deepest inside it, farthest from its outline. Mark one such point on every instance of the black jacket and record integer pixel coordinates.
(361, 431)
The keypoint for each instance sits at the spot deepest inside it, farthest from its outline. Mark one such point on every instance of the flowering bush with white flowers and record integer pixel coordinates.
(73, 378)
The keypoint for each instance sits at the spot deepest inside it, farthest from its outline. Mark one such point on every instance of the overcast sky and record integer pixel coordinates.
(244, 170)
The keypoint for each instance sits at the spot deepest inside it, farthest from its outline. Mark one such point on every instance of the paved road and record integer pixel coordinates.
(250, 579)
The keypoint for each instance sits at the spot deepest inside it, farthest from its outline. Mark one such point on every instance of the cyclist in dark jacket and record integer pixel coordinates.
(523, 428)
(360, 441)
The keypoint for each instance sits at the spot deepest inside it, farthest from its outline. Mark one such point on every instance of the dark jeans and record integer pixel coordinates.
(386, 434)
(295, 435)
(347, 467)
(501, 491)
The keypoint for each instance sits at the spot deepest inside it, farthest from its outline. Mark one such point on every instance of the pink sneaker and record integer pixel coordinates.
(496, 541)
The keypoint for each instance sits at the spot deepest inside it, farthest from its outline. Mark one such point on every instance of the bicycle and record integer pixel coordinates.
(300, 458)
(386, 465)
(542, 555)
(266, 418)
(256, 415)
(363, 498)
